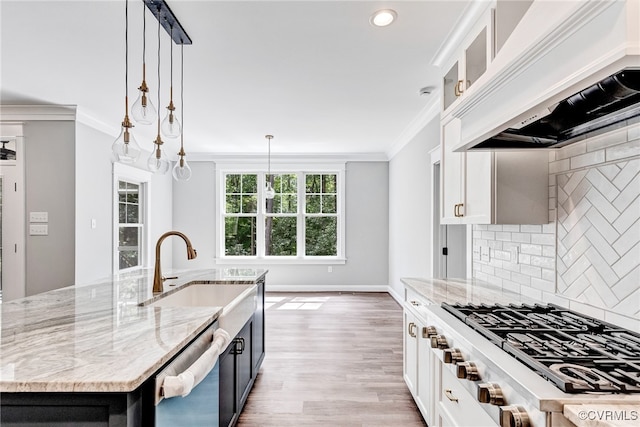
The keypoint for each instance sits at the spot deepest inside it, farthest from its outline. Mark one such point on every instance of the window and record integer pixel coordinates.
(301, 224)
(130, 226)
(131, 220)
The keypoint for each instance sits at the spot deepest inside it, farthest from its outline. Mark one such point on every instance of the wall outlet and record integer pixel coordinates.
(38, 216)
(330, 269)
(94, 223)
(485, 254)
(38, 230)
(514, 255)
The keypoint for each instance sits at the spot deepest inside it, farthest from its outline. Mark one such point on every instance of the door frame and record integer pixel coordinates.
(17, 234)
(435, 159)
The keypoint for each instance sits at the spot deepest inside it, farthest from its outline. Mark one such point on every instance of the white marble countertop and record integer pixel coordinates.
(463, 291)
(98, 337)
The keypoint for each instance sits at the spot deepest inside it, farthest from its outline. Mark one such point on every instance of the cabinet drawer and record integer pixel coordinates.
(459, 406)
(413, 298)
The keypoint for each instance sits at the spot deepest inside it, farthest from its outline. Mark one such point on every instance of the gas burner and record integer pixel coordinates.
(575, 352)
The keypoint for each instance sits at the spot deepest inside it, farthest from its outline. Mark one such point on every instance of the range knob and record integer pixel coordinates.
(490, 393)
(468, 370)
(439, 341)
(513, 416)
(452, 355)
(427, 331)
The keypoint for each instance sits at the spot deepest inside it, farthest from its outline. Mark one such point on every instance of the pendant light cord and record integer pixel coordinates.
(126, 56)
(182, 98)
(158, 139)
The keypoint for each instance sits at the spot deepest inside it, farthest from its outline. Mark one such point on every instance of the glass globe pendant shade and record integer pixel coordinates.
(125, 148)
(170, 125)
(143, 111)
(158, 162)
(269, 192)
(181, 170)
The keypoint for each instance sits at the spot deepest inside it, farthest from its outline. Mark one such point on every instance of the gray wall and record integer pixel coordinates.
(50, 183)
(367, 224)
(410, 208)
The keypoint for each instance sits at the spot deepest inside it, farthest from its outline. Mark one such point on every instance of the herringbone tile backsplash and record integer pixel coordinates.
(588, 257)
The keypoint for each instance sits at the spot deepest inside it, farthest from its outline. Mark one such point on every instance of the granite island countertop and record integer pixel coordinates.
(464, 291)
(99, 337)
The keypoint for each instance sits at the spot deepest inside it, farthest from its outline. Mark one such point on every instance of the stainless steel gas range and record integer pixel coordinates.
(522, 364)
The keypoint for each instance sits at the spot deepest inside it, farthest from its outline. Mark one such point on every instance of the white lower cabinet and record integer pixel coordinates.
(418, 360)
(456, 406)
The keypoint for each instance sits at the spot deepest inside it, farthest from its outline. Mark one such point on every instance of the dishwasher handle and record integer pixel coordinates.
(182, 384)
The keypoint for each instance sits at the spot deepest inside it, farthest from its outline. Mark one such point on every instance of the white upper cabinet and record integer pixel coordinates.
(471, 63)
(484, 187)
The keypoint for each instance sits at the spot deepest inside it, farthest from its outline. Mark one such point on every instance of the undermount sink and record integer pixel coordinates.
(238, 302)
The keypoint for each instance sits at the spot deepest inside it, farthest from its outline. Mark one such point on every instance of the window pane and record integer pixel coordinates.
(240, 236)
(321, 236)
(313, 204)
(289, 203)
(313, 183)
(328, 204)
(132, 214)
(249, 203)
(250, 183)
(129, 247)
(280, 236)
(233, 184)
(329, 183)
(122, 213)
(273, 205)
(233, 203)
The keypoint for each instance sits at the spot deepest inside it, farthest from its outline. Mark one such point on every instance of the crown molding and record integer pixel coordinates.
(37, 112)
(308, 158)
(428, 113)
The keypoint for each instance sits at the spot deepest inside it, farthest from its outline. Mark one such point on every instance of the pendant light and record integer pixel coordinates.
(158, 161)
(181, 170)
(269, 191)
(143, 111)
(170, 124)
(125, 148)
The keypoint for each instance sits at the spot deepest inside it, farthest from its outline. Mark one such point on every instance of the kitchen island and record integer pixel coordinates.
(101, 339)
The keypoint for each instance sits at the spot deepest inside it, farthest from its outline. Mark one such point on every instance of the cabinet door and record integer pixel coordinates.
(479, 189)
(227, 396)
(244, 363)
(452, 174)
(257, 340)
(425, 374)
(449, 86)
(476, 59)
(410, 352)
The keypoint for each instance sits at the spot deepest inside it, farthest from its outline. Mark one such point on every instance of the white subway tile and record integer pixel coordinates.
(549, 228)
(549, 275)
(531, 271)
(543, 285)
(587, 309)
(521, 237)
(603, 226)
(494, 244)
(628, 239)
(571, 150)
(504, 236)
(549, 251)
(598, 180)
(531, 228)
(629, 305)
(627, 262)
(543, 262)
(524, 259)
(607, 140)
(526, 248)
(494, 227)
(627, 322)
(623, 151)
(489, 235)
(598, 201)
(511, 228)
(559, 166)
(553, 298)
(543, 239)
(610, 171)
(588, 159)
(628, 216)
(629, 194)
(503, 274)
(521, 278)
(511, 286)
(633, 132)
(532, 293)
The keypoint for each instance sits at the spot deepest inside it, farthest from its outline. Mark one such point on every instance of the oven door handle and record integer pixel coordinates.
(182, 384)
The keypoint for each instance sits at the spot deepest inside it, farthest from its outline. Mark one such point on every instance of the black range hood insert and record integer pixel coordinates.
(613, 101)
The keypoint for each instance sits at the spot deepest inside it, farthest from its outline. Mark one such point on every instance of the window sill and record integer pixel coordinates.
(279, 261)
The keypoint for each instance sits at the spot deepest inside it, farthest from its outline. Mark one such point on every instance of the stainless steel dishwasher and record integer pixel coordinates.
(198, 405)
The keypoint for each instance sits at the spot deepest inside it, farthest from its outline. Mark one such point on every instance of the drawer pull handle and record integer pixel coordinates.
(459, 88)
(415, 303)
(411, 329)
(450, 395)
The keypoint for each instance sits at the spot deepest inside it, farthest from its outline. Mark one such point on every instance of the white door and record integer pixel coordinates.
(12, 208)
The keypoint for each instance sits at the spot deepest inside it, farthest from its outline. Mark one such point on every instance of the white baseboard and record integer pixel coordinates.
(270, 287)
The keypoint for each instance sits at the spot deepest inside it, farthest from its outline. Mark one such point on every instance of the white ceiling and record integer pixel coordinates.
(315, 74)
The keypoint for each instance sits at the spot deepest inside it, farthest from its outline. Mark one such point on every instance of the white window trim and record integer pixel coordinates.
(123, 172)
(277, 168)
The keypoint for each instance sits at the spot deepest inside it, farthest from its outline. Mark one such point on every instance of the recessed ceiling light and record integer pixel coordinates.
(383, 17)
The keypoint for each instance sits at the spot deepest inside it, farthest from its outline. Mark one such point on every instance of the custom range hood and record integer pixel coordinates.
(612, 102)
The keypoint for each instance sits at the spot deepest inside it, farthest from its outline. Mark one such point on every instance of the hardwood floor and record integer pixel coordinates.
(333, 359)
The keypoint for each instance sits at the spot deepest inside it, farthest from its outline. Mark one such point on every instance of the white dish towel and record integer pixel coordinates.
(181, 385)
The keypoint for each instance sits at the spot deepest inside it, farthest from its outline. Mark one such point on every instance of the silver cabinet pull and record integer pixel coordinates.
(411, 329)
(450, 395)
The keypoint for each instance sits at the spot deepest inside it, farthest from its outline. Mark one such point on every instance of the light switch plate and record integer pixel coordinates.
(38, 229)
(484, 254)
(38, 216)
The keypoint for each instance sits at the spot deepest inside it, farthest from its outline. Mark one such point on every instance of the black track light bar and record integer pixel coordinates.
(160, 9)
